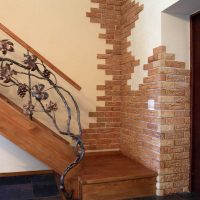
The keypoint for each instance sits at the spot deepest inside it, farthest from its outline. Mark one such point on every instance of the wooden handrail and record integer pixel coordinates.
(42, 58)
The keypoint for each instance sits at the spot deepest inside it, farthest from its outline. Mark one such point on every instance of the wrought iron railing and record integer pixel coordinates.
(38, 98)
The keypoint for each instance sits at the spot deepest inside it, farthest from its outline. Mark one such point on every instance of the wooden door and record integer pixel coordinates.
(195, 67)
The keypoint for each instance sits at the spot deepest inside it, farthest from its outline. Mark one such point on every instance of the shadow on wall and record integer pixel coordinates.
(176, 28)
(15, 159)
(175, 34)
(184, 7)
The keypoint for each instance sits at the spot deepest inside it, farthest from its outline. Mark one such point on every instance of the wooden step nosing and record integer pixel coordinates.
(115, 179)
(26, 173)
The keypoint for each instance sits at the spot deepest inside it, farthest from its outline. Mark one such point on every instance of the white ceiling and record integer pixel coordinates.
(184, 7)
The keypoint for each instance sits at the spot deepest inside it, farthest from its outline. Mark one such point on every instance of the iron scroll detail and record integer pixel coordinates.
(38, 95)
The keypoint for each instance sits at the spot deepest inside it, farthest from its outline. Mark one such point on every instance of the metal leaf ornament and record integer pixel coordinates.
(28, 108)
(39, 93)
(30, 61)
(6, 73)
(5, 46)
(51, 107)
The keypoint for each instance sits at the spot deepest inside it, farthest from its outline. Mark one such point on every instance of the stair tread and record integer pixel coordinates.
(110, 168)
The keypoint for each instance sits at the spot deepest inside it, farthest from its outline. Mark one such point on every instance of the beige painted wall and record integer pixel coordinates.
(175, 34)
(60, 31)
(155, 28)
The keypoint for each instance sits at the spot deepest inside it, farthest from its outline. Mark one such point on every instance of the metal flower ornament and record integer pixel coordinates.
(38, 96)
(5, 46)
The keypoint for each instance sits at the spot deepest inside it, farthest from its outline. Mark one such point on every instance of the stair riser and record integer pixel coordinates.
(118, 190)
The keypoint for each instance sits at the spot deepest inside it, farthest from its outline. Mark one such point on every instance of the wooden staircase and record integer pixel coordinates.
(114, 177)
(101, 176)
(31, 135)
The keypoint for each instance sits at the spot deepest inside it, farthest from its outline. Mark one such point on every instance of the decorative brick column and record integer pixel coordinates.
(160, 138)
(174, 107)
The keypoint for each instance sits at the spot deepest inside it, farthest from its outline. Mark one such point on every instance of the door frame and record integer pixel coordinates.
(191, 98)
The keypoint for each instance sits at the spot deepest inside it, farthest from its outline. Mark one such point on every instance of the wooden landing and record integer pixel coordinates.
(114, 177)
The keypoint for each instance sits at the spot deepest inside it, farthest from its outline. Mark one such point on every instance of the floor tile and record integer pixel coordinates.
(144, 198)
(15, 180)
(170, 197)
(47, 198)
(45, 190)
(189, 196)
(34, 187)
(43, 178)
(16, 192)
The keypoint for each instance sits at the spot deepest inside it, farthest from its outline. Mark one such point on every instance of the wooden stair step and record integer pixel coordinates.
(113, 177)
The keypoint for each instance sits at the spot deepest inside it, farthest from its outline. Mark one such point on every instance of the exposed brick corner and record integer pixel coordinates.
(160, 138)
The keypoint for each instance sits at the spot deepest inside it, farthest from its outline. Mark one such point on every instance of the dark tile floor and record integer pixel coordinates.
(43, 187)
(181, 196)
(34, 187)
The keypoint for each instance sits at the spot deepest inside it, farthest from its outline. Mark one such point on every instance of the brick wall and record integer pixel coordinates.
(104, 134)
(159, 138)
(116, 18)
